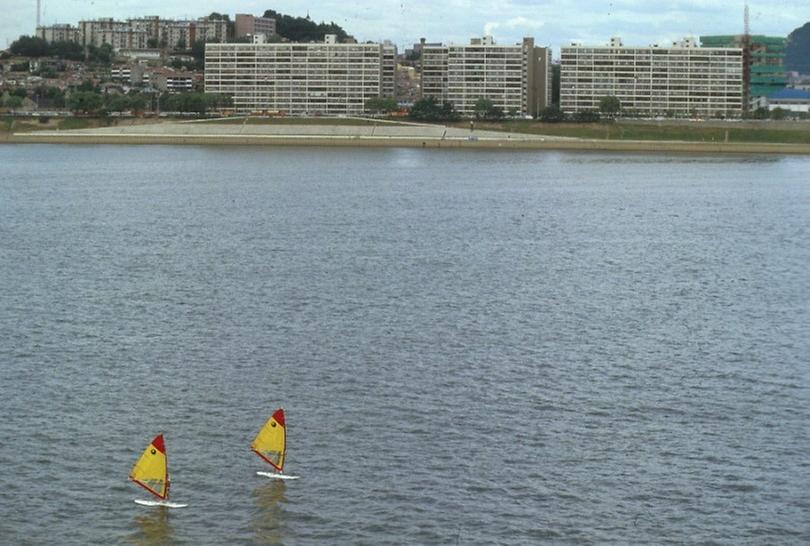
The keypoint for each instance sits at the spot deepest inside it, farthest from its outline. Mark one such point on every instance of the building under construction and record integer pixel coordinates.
(765, 56)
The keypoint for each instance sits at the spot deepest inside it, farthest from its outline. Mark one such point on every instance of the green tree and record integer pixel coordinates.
(13, 102)
(303, 29)
(587, 116)
(138, 102)
(194, 102)
(49, 97)
(761, 113)
(486, 109)
(118, 103)
(67, 50)
(610, 105)
(779, 113)
(152, 43)
(429, 109)
(87, 102)
(381, 104)
(198, 49)
(219, 16)
(552, 114)
(101, 54)
(30, 46)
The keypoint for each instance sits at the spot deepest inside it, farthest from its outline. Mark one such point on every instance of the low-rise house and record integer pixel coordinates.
(792, 100)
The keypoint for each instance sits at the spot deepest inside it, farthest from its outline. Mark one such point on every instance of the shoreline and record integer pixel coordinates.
(489, 143)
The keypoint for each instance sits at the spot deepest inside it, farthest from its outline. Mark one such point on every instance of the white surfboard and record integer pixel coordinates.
(277, 476)
(167, 504)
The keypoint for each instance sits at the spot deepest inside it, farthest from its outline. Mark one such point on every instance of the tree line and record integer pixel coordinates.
(303, 29)
(86, 99)
(33, 46)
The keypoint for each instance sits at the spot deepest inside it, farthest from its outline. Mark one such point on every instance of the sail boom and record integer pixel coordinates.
(268, 461)
(165, 496)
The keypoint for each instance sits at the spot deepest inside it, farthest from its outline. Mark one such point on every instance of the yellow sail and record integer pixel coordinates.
(271, 442)
(151, 471)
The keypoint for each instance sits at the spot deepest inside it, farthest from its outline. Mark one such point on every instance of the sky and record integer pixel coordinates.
(552, 23)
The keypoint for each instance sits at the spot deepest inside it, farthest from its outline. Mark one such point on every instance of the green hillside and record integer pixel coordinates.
(303, 29)
(797, 53)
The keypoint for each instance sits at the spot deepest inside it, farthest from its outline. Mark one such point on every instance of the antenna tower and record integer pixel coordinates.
(747, 20)
(39, 10)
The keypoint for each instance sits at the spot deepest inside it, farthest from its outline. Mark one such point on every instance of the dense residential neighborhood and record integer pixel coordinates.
(275, 64)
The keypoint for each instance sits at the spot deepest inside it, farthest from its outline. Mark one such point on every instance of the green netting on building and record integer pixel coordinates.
(767, 54)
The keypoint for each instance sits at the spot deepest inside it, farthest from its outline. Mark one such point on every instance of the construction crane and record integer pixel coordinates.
(746, 43)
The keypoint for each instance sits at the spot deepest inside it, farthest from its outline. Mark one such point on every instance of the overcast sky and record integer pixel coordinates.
(553, 22)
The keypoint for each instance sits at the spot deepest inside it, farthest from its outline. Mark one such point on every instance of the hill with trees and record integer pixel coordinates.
(797, 53)
(32, 46)
(303, 29)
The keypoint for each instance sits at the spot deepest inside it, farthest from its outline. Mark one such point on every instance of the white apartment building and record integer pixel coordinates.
(389, 70)
(59, 33)
(174, 33)
(516, 78)
(294, 78)
(118, 34)
(682, 80)
(434, 71)
(136, 33)
(122, 73)
(211, 30)
(170, 81)
(249, 25)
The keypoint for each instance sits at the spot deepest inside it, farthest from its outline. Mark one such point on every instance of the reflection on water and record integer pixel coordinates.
(672, 159)
(268, 516)
(153, 527)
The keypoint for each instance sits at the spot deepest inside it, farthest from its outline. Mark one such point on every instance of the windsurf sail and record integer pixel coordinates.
(271, 442)
(151, 471)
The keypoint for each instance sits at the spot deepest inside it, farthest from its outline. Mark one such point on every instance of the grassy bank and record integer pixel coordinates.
(800, 134)
(9, 124)
(354, 122)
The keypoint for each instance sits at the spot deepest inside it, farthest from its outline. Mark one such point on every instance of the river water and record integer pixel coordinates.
(471, 347)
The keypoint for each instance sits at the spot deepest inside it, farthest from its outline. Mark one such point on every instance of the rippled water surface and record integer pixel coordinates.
(471, 347)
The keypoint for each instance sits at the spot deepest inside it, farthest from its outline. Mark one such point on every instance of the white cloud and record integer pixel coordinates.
(551, 22)
(515, 23)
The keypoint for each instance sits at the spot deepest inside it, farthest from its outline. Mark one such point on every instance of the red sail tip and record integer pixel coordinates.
(278, 415)
(158, 443)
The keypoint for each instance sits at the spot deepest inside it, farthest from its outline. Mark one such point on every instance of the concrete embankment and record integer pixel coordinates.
(378, 136)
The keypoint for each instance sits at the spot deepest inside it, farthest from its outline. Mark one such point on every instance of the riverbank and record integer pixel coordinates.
(381, 134)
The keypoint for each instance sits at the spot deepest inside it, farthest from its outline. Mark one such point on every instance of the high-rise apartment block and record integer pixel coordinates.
(248, 25)
(59, 33)
(326, 78)
(137, 33)
(118, 34)
(516, 78)
(684, 79)
(765, 73)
